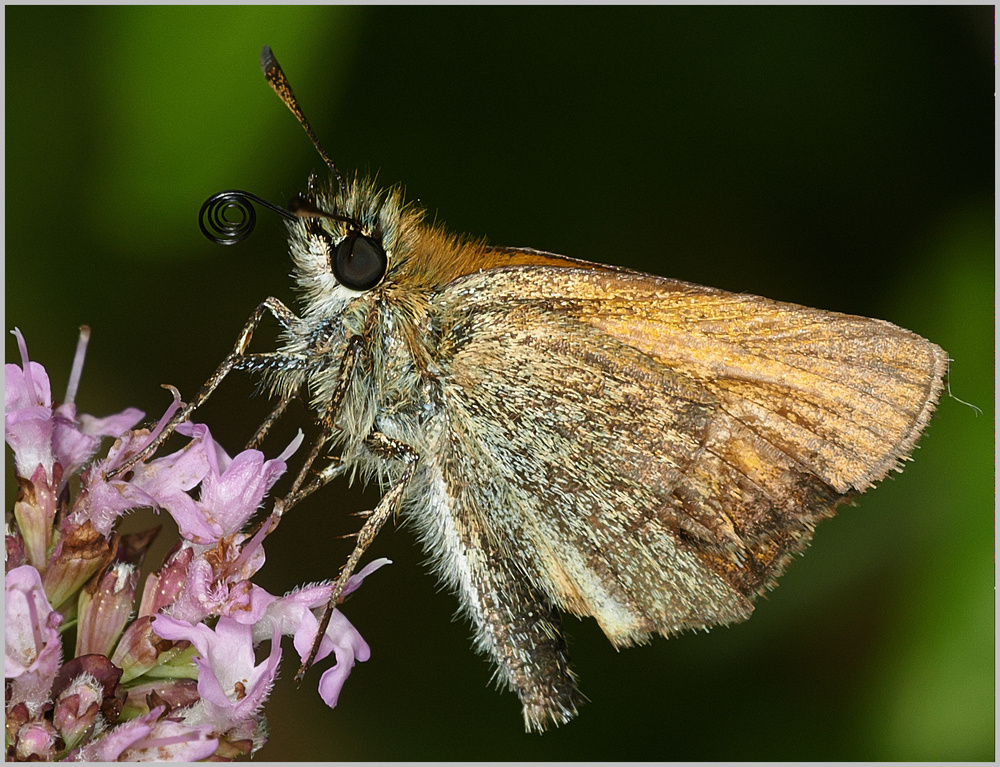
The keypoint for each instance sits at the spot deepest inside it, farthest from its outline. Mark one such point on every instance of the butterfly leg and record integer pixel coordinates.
(299, 491)
(237, 358)
(389, 504)
(355, 345)
(265, 427)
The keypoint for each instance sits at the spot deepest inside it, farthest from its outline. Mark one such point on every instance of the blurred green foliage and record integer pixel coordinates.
(835, 157)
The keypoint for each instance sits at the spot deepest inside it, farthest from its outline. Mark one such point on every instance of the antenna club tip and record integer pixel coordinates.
(267, 60)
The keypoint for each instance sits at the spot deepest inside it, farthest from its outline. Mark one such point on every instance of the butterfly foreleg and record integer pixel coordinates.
(271, 419)
(237, 358)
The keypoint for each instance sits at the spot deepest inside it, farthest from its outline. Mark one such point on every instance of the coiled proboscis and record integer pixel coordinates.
(220, 227)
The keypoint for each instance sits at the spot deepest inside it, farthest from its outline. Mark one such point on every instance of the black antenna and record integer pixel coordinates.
(277, 80)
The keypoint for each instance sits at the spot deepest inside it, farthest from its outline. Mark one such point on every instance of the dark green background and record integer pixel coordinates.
(840, 158)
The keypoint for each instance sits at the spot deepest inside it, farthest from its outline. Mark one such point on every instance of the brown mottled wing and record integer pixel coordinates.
(650, 452)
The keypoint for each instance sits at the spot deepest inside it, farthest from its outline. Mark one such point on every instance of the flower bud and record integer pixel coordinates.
(80, 553)
(140, 650)
(104, 609)
(77, 709)
(14, 553)
(35, 511)
(162, 588)
(36, 741)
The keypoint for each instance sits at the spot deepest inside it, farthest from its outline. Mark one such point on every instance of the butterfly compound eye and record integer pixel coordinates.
(359, 263)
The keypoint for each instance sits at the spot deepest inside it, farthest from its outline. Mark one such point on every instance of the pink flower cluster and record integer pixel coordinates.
(176, 676)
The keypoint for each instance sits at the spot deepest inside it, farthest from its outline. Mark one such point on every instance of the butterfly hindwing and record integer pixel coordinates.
(648, 452)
